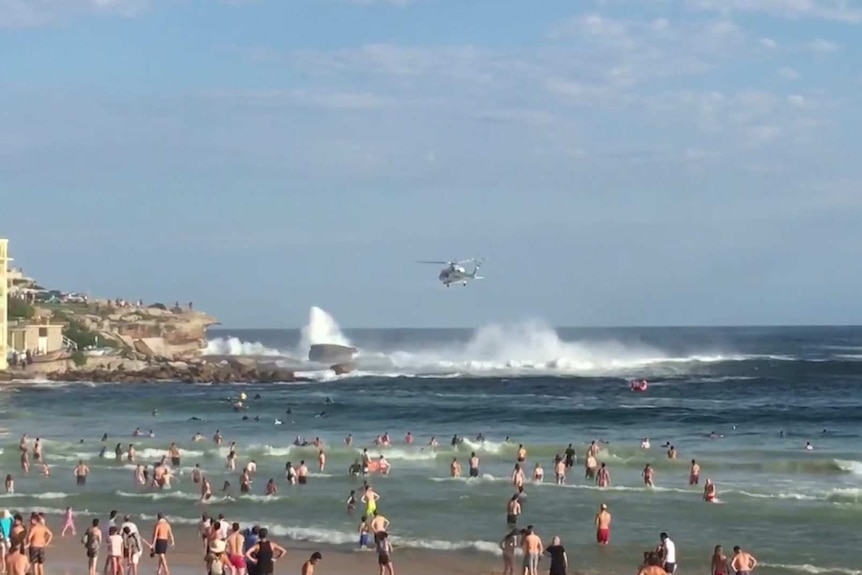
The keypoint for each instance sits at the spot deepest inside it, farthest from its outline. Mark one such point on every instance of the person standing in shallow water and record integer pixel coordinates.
(508, 546)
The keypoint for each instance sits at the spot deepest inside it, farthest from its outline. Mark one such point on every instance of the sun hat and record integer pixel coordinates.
(217, 546)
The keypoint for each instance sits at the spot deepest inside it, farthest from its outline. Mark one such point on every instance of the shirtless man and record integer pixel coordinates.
(533, 549)
(244, 482)
(302, 473)
(513, 510)
(206, 490)
(649, 476)
(671, 452)
(518, 476)
(743, 563)
(560, 471)
(37, 450)
(653, 565)
(17, 562)
(603, 525)
(174, 453)
(455, 468)
(590, 466)
(594, 449)
(379, 523)
(603, 476)
(694, 474)
(522, 453)
(81, 472)
(38, 539)
(321, 461)
(308, 566)
(538, 473)
(217, 438)
(163, 538)
(130, 454)
(231, 456)
(197, 475)
(234, 548)
(474, 465)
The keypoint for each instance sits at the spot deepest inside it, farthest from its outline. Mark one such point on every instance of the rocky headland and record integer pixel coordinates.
(117, 342)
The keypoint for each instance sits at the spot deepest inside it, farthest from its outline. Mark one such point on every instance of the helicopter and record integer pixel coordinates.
(455, 272)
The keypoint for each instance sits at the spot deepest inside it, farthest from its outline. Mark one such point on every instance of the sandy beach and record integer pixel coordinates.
(67, 555)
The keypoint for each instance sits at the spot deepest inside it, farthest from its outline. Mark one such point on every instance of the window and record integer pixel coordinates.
(43, 332)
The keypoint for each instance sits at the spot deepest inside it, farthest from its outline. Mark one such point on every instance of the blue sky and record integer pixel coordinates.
(617, 162)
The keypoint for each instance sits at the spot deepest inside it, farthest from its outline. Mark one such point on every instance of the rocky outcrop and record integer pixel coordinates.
(342, 368)
(181, 372)
(331, 353)
(150, 332)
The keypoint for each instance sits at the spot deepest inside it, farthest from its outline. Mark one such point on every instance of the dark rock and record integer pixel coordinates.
(342, 368)
(331, 353)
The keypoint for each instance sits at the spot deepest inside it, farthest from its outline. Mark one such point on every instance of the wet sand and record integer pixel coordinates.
(67, 555)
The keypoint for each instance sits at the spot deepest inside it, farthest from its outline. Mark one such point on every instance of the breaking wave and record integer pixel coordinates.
(527, 348)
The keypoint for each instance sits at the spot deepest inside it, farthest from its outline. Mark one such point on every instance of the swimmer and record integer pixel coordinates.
(321, 461)
(709, 491)
(594, 449)
(590, 466)
(383, 466)
(290, 473)
(206, 490)
(474, 465)
(694, 474)
(244, 482)
(518, 476)
(433, 443)
(408, 439)
(522, 454)
(370, 499)
(648, 475)
(560, 467)
(197, 475)
(302, 473)
(513, 510)
(174, 453)
(455, 468)
(251, 467)
(570, 456)
(603, 525)
(808, 446)
(351, 502)
(197, 437)
(538, 473)
(271, 488)
(645, 443)
(603, 476)
(348, 441)
(671, 453)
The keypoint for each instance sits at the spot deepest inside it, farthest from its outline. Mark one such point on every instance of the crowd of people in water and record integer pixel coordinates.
(231, 549)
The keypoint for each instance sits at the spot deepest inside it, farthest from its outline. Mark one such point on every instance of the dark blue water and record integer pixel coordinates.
(796, 509)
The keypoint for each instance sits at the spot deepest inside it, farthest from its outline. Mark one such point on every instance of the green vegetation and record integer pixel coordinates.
(82, 336)
(19, 309)
(79, 358)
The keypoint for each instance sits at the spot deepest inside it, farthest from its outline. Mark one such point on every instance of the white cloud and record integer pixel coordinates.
(768, 43)
(37, 13)
(847, 11)
(797, 100)
(788, 73)
(821, 46)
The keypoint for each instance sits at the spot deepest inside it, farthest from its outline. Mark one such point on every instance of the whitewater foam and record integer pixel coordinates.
(526, 348)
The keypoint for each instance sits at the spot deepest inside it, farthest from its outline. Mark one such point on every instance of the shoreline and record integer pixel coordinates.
(68, 553)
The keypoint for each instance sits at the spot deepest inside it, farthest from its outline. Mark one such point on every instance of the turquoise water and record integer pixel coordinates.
(796, 510)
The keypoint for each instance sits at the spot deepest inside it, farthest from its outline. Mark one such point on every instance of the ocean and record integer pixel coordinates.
(764, 392)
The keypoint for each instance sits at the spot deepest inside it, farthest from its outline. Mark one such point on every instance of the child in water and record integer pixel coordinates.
(364, 533)
(351, 502)
(10, 484)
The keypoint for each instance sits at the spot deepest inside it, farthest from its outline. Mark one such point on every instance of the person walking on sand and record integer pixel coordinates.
(743, 563)
(38, 539)
(163, 538)
(508, 546)
(17, 563)
(559, 559)
(533, 549)
(92, 541)
(603, 525)
(718, 565)
(384, 553)
(68, 523)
